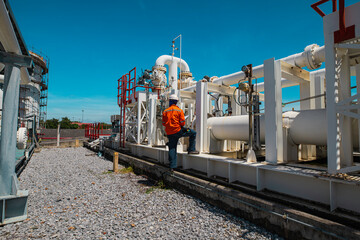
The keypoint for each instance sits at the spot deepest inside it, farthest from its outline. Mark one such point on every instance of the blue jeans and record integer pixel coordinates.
(173, 141)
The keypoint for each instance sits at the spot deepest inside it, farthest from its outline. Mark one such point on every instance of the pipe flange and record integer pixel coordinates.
(310, 57)
(213, 78)
(160, 68)
(185, 75)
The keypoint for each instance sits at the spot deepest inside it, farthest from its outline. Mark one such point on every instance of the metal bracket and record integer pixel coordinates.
(15, 59)
(13, 208)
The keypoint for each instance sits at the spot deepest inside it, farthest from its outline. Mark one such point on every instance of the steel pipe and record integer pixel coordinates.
(168, 60)
(173, 63)
(233, 128)
(305, 127)
(312, 57)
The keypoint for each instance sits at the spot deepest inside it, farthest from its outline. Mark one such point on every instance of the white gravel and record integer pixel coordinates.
(73, 196)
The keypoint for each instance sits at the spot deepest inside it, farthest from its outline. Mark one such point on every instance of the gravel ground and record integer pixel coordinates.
(73, 195)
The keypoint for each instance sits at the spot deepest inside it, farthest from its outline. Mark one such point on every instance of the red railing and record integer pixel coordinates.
(93, 131)
(132, 83)
(126, 90)
(344, 33)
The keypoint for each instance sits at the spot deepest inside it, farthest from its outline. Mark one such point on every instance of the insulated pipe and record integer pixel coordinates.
(9, 41)
(305, 127)
(312, 57)
(173, 63)
(233, 128)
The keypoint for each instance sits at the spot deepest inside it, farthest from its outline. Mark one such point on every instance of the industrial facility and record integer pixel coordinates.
(257, 158)
(243, 134)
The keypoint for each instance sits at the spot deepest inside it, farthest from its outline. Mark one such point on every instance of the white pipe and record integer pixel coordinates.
(233, 128)
(173, 63)
(312, 57)
(167, 60)
(305, 127)
(259, 87)
(8, 39)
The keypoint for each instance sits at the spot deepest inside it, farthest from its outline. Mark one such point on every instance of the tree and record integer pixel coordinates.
(65, 123)
(52, 123)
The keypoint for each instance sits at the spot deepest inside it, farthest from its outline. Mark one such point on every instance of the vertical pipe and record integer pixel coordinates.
(173, 75)
(334, 5)
(180, 58)
(9, 128)
(342, 17)
(250, 109)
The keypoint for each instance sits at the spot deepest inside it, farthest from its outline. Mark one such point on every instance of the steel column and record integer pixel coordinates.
(346, 146)
(273, 105)
(138, 122)
(332, 96)
(317, 87)
(9, 127)
(152, 122)
(13, 202)
(201, 116)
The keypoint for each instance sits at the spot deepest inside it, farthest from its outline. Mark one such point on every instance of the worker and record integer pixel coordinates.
(174, 121)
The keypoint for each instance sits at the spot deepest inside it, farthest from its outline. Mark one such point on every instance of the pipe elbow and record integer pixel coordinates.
(163, 60)
(184, 67)
(168, 60)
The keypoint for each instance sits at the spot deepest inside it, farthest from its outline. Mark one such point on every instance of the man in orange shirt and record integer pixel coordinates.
(174, 121)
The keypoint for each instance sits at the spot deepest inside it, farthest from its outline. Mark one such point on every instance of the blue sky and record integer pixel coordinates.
(92, 43)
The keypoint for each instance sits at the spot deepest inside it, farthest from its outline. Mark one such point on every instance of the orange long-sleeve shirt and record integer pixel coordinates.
(173, 119)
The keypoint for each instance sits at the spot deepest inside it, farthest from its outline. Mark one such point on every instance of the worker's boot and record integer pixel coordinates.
(193, 152)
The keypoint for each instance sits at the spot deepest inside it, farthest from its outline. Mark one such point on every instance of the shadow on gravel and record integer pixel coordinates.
(147, 182)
